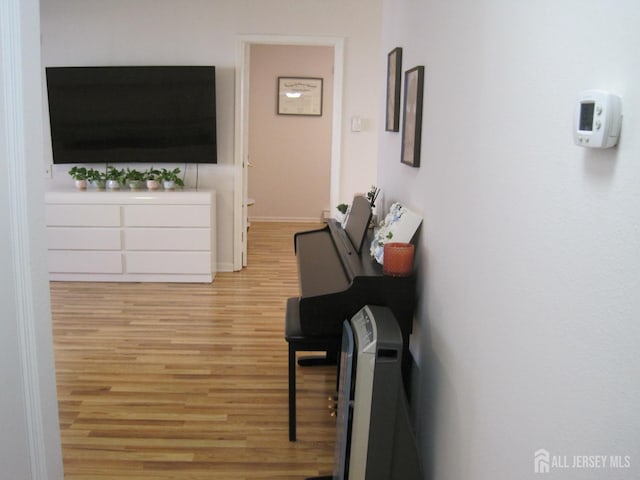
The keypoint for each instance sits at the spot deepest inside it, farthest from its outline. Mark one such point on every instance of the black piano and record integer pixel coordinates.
(337, 277)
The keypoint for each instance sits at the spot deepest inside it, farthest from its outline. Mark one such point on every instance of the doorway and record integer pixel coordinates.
(242, 160)
(290, 153)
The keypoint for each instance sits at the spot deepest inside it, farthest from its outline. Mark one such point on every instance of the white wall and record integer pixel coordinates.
(29, 432)
(99, 32)
(528, 323)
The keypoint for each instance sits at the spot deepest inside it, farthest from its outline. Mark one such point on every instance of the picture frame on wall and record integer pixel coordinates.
(412, 116)
(394, 80)
(300, 96)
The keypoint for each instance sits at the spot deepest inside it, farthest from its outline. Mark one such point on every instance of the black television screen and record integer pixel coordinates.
(155, 114)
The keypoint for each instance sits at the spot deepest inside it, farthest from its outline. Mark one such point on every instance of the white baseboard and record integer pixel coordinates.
(224, 267)
(287, 219)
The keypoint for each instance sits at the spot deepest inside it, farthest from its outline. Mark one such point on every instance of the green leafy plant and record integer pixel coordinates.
(131, 174)
(78, 173)
(171, 176)
(151, 174)
(114, 174)
(342, 208)
(133, 178)
(97, 177)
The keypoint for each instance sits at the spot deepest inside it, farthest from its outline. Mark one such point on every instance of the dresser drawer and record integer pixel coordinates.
(79, 238)
(167, 239)
(61, 261)
(169, 262)
(83, 215)
(167, 216)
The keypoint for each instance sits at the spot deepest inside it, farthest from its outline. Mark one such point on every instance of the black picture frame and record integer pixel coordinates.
(412, 116)
(300, 96)
(394, 80)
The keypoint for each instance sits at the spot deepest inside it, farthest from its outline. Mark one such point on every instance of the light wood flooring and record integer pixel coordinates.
(189, 381)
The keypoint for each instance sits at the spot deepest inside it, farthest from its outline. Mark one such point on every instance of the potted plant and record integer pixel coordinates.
(170, 179)
(114, 178)
(79, 174)
(152, 177)
(134, 178)
(342, 209)
(97, 178)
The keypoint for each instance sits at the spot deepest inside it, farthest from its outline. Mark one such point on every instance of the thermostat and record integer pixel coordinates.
(597, 119)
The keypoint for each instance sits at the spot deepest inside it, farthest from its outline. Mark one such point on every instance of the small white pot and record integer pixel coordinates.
(153, 184)
(81, 184)
(169, 185)
(113, 185)
(134, 184)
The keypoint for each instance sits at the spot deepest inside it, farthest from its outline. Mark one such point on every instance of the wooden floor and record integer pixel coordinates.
(189, 381)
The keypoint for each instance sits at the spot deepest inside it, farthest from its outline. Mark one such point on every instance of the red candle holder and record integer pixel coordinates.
(398, 259)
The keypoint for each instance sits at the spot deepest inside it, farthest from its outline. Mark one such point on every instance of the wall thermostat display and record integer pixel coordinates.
(597, 119)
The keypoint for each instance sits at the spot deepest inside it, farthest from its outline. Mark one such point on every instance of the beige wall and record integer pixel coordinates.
(290, 154)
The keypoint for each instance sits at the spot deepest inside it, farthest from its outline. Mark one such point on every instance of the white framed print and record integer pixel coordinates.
(299, 96)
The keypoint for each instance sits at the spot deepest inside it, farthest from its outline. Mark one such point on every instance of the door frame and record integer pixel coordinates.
(30, 359)
(241, 126)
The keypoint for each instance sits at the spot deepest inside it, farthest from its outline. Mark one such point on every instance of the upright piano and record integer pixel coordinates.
(338, 276)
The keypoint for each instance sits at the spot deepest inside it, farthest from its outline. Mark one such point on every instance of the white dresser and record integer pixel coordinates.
(126, 236)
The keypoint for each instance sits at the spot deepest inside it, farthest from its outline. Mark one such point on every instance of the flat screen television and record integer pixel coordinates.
(132, 114)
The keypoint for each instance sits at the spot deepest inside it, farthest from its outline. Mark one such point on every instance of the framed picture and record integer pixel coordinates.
(412, 116)
(394, 78)
(299, 96)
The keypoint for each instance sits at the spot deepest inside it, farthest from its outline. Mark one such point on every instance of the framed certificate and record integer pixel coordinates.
(299, 96)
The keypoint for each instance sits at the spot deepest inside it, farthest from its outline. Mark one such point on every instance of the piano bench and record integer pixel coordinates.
(299, 342)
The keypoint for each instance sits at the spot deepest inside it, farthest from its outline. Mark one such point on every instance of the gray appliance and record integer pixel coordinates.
(374, 438)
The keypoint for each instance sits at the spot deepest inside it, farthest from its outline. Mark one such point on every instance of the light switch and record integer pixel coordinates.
(356, 123)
